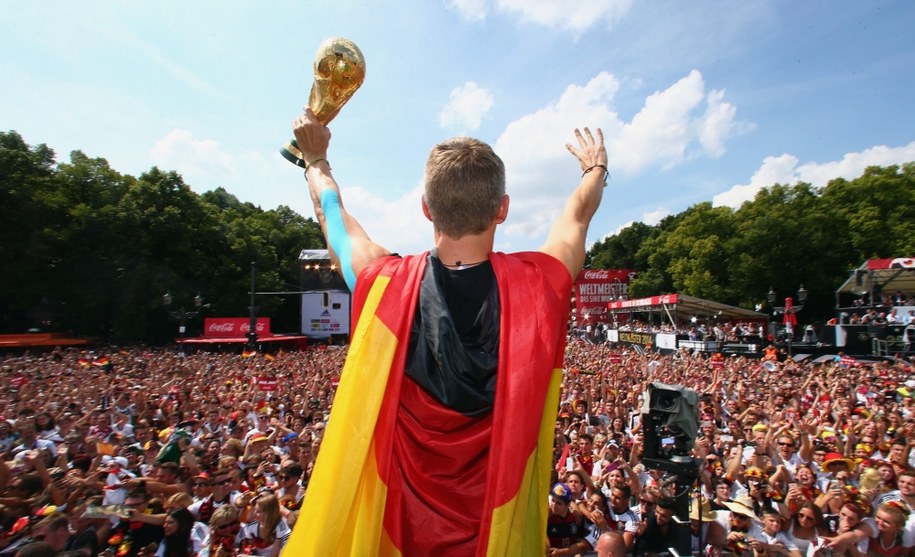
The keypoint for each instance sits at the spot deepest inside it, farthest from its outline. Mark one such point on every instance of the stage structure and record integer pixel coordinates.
(676, 313)
(325, 297)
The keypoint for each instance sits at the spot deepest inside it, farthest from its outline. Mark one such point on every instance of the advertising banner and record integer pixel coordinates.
(594, 289)
(231, 327)
(325, 313)
(267, 384)
(642, 302)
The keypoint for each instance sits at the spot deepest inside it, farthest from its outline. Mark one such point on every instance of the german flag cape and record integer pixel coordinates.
(353, 505)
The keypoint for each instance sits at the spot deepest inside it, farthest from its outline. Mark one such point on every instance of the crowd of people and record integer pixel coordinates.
(151, 452)
(794, 457)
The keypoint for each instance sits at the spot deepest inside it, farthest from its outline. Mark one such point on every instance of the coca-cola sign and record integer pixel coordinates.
(595, 288)
(229, 327)
(596, 274)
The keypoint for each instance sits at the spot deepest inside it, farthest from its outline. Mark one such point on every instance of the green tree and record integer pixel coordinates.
(26, 183)
(877, 210)
(621, 251)
(690, 255)
(786, 237)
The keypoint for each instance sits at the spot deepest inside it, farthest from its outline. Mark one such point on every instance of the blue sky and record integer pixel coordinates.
(699, 101)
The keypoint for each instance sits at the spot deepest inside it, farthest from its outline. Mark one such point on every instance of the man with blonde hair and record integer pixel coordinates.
(440, 438)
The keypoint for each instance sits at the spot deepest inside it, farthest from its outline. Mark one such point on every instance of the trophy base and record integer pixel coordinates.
(292, 154)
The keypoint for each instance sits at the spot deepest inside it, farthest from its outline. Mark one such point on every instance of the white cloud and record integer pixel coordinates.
(852, 165)
(774, 170)
(716, 124)
(575, 17)
(398, 225)
(619, 229)
(652, 218)
(533, 147)
(669, 125)
(674, 125)
(467, 107)
(784, 169)
(195, 159)
(471, 10)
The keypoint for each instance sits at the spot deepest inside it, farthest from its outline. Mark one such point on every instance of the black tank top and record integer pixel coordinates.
(454, 343)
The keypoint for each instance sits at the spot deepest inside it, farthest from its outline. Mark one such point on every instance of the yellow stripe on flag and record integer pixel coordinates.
(387, 548)
(344, 503)
(519, 526)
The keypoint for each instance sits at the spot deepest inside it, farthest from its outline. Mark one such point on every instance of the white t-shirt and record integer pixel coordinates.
(281, 536)
(625, 521)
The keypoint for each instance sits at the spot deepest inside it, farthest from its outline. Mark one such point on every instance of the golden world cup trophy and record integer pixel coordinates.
(339, 71)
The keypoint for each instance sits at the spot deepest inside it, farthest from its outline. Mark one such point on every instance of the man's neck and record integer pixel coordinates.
(469, 250)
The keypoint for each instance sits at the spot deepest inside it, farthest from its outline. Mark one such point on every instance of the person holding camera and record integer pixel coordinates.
(759, 491)
(741, 526)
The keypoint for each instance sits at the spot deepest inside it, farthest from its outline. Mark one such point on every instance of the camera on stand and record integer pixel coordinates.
(669, 425)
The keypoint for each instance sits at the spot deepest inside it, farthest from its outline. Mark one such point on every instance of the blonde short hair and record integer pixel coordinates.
(464, 186)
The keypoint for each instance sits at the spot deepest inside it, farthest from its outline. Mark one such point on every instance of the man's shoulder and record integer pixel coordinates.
(387, 265)
(626, 515)
(894, 495)
(539, 258)
(533, 264)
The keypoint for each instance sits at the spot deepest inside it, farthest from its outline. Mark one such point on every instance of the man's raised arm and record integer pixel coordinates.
(349, 245)
(566, 241)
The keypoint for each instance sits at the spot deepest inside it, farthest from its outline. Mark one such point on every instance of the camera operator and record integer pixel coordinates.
(760, 492)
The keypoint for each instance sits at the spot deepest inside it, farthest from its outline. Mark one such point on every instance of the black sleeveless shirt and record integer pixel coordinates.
(454, 342)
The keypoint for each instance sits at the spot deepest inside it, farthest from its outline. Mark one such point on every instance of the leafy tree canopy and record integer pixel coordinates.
(91, 251)
(784, 237)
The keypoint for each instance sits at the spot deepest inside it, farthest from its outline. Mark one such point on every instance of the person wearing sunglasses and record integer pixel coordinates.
(223, 538)
(220, 495)
(289, 490)
(805, 526)
(789, 455)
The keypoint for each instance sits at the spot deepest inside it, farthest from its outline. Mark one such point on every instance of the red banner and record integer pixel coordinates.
(267, 384)
(897, 263)
(230, 327)
(595, 288)
(652, 301)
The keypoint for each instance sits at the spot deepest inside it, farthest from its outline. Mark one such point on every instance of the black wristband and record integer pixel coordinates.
(590, 168)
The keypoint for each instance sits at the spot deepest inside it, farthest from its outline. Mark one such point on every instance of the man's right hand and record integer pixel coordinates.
(311, 135)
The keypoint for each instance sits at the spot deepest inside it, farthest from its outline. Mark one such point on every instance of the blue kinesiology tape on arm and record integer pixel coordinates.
(337, 236)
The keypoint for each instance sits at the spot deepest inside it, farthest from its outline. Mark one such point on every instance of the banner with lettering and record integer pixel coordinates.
(231, 327)
(267, 383)
(644, 302)
(594, 289)
(633, 337)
